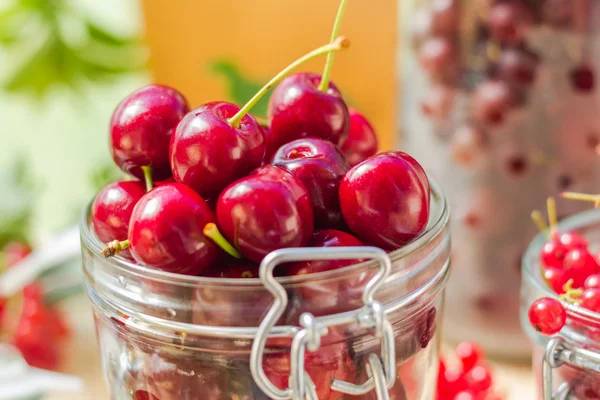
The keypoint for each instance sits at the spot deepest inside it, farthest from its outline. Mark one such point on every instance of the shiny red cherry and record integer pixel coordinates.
(333, 295)
(579, 264)
(166, 231)
(208, 153)
(112, 209)
(270, 145)
(233, 269)
(265, 211)
(320, 166)
(141, 127)
(385, 199)
(509, 21)
(361, 142)
(298, 109)
(491, 101)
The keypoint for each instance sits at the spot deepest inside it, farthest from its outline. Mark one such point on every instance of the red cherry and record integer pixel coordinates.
(518, 66)
(583, 79)
(270, 145)
(140, 130)
(547, 316)
(491, 101)
(14, 252)
(590, 299)
(233, 269)
(592, 282)
(469, 354)
(320, 166)
(265, 211)
(573, 240)
(465, 395)
(298, 109)
(144, 395)
(426, 327)
(361, 142)
(437, 56)
(208, 153)
(329, 296)
(445, 16)
(509, 21)
(556, 278)
(578, 265)
(112, 209)
(479, 378)
(166, 230)
(385, 199)
(553, 254)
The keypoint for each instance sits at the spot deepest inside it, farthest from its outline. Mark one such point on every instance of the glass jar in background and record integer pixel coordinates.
(573, 370)
(499, 103)
(165, 336)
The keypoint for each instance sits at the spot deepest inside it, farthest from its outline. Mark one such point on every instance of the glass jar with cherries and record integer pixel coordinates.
(499, 102)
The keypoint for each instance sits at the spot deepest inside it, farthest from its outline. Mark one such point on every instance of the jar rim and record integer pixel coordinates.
(530, 261)
(438, 221)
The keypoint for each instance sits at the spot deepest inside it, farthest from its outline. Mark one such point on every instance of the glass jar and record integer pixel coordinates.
(567, 364)
(499, 104)
(164, 336)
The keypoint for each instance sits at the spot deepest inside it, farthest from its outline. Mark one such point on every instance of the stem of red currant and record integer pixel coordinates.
(211, 231)
(570, 294)
(551, 208)
(148, 177)
(539, 222)
(115, 247)
(338, 44)
(324, 84)
(593, 198)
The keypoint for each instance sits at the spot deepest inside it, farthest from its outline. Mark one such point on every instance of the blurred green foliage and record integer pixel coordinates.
(63, 45)
(16, 202)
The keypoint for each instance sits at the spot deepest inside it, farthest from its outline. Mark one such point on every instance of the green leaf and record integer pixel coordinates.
(101, 35)
(105, 174)
(240, 87)
(16, 202)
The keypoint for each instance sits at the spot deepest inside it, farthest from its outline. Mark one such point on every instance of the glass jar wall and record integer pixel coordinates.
(164, 336)
(499, 103)
(578, 343)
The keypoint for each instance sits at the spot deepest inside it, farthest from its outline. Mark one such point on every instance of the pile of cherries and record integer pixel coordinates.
(472, 380)
(212, 185)
(36, 329)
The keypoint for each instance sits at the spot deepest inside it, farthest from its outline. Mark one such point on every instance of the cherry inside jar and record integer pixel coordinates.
(165, 336)
(579, 376)
(499, 104)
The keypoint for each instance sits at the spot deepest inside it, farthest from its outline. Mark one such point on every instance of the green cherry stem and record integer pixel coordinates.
(148, 177)
(115, 247)
(211, 231)
(324, 84)
(338, 44)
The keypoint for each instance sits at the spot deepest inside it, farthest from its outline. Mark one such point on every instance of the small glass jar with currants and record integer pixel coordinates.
(560, 307)
(499, 103)
(283, 260)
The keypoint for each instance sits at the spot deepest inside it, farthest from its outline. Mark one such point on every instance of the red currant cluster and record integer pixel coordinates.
(570, 269)
(37, 329)
(472, 380)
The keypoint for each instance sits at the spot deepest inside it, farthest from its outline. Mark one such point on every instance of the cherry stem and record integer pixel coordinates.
(324, 84)
(115, 247)
(594, 198)
(211, 231)
(262, 121)
(148, 177)
(539, 222)
(339, 44)
(551, 206)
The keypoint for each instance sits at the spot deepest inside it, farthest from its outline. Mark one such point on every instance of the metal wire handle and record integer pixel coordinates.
(559, 352)
(382, 370)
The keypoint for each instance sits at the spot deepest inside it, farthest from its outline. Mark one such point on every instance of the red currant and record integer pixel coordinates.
(547, 316)
(469, 355)
(553, 254)
(556, 278)
(578, 265)
(573, 240)
(593, 281)
(479, 378)
(591, 299)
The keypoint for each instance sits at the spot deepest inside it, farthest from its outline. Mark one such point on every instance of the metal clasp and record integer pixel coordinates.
(381, 369)
(559, 352)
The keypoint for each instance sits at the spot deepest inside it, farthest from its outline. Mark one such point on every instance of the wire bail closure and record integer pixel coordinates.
(559, 352)
(381, 369)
